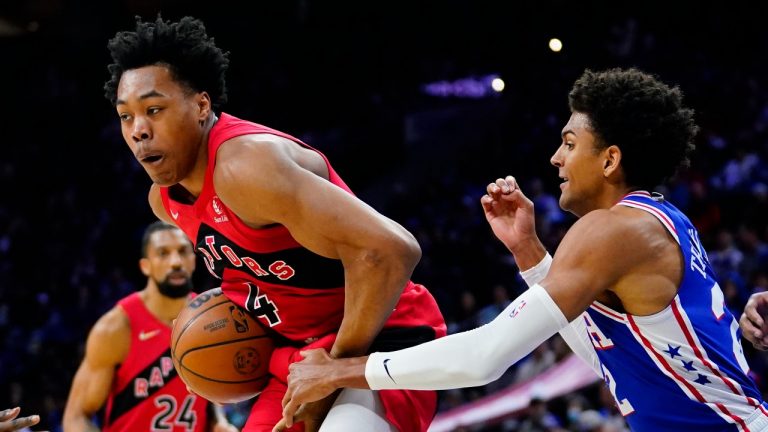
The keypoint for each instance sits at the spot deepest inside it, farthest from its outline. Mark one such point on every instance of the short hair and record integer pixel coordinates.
(151, 229)
(184, 47)
(641, 115)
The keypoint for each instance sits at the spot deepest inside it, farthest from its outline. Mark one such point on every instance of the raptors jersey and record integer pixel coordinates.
(292, 290)
(146, 394)
(681, 368)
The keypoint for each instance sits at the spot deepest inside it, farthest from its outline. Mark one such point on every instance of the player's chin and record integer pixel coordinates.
(162, 178)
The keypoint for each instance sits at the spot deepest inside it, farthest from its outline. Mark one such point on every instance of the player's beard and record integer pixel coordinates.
(175, 291)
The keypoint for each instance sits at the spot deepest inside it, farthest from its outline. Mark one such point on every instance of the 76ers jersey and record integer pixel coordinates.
(681, 368)
(147, 394)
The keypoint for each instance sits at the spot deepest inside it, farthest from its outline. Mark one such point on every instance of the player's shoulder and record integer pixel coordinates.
(260, 145)
(607, 231)
(113, 325)
(110, 338)
(252, 161)
(602, 223)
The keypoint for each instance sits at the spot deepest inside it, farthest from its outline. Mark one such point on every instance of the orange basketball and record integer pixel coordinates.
(219, 351)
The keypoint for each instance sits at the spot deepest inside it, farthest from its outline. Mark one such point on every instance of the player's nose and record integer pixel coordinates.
(141, 130)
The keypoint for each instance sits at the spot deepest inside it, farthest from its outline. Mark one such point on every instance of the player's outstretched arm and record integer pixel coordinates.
(108, 343)
(753, 320)
(10, 422)
(479, 356)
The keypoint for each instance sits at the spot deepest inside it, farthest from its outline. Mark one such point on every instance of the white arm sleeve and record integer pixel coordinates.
(474, 357)
(575, 334)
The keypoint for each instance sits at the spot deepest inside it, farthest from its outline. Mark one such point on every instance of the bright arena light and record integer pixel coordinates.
(497, 84)
(555, 44)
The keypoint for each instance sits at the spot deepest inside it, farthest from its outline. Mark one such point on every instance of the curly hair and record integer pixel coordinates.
(644, 117)
(192, 57)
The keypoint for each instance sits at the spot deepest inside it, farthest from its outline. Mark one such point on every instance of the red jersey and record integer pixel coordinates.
(294, 291)
(147, 394)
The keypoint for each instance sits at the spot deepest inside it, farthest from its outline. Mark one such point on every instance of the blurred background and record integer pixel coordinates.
(419, 105)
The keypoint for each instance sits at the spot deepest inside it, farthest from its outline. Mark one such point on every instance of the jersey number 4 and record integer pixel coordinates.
(261, 306)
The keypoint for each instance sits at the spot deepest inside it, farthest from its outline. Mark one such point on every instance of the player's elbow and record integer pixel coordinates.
(397, 253)
(410, 250)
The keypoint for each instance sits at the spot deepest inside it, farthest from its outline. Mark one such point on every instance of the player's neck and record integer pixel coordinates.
(195, 180)
(165, 309)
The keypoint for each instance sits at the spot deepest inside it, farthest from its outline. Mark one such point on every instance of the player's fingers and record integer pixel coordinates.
(20, 423)
(503, 186)
(287, 396)
(754, 317)
(492, 189)
(9, 414)
(289, 413)
(280, 426)
(512, 182)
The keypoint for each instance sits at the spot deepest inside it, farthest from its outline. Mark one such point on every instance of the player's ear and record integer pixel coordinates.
(611, 161)
(204, 106)
(144, 266)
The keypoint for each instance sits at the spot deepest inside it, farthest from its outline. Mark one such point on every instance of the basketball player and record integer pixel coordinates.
(630, 277)
(9, 422)
(274, 221)
(127, 369)
(753, 320)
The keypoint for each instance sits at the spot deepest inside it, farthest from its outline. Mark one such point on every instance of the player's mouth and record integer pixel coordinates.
(150, 158)
(177, 278)
(565, 181)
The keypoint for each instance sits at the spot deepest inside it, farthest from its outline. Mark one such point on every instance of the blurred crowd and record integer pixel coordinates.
(74, 203)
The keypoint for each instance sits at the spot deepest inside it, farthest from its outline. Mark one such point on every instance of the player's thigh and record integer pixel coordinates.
(357, 410)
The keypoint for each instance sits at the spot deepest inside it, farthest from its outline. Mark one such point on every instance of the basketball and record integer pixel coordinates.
(219, 351)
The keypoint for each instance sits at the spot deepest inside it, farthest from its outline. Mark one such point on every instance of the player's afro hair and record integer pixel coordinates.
(183, 46)
(641, 115)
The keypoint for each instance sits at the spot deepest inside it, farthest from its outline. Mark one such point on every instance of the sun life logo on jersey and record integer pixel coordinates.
(216, 204)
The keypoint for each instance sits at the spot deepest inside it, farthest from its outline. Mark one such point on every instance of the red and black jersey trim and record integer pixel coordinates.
(126, 400)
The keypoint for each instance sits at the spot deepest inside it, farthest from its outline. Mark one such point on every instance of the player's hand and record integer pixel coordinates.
(509, 212)
(752, 321)
(9, 422)
(312, 414)
(308, 381)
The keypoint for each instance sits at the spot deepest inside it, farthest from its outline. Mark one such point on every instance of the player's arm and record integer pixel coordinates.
(592, 257)
(510, 215)
(107, 346)
(261, 181)
(156, 203)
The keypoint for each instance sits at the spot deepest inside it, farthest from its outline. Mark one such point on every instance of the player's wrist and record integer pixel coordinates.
(349, 372)
(538, 272)
(528, 253)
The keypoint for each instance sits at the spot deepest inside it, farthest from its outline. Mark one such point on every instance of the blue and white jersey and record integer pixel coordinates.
(681, 369)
